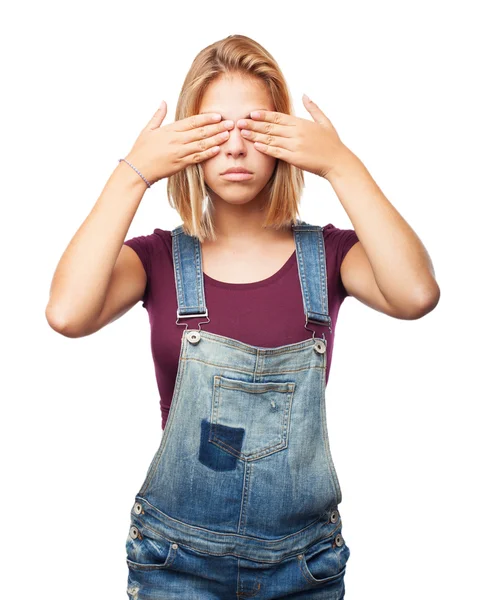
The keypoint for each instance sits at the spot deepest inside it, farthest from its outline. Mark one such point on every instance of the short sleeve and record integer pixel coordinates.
(340, 241)
(143, 245)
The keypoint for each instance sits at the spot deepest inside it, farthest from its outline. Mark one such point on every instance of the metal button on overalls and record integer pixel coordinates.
(320, 347)
(137, 508)
(334, 516)
(134, 532)
(193, 336)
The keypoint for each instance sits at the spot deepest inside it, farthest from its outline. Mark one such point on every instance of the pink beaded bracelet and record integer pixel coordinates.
(128, 163)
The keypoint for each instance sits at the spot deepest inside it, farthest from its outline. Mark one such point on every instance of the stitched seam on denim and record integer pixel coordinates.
(174, 404)
(242, 347)
(323, 291)
(250, 456)
(330, 536)
(238, 578)
(264, 390)
(178, 272)
(317, 314)
(304, 290)
(243, 522)
(184, 306)
(199, 281)
(228, 535)
(249, 594)
(238, 370)
(329, 458)
(310, 578)
(151, 566)
(303, 551)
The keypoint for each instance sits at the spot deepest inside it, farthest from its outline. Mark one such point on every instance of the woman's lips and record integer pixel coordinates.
(237, 176)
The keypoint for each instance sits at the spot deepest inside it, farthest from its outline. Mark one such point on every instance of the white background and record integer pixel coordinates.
(81, 417)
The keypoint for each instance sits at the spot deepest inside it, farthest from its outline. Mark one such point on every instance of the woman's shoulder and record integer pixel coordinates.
(157, 238)
(163, 234)
(151, 246)
(338, 241)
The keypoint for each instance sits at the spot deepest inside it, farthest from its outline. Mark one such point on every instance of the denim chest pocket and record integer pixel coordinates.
(250, 420)
(145, 553)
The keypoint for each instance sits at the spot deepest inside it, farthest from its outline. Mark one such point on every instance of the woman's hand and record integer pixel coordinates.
(163, 151)
(310, 145)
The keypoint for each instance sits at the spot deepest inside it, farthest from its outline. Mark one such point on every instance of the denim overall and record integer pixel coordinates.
(241, 498)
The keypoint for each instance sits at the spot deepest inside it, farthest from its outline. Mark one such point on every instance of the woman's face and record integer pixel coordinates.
(234, 97)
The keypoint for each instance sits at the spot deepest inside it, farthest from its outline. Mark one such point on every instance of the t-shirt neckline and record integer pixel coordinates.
(253, 284)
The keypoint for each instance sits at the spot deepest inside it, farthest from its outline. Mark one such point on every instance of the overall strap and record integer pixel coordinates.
(189, 282)
(311, 257)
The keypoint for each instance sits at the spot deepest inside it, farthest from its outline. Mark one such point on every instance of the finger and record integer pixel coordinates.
(275, 151)
(202, 145)
(197, 121)
(206, 131)
(314, 109)
(268, 139)
(272, 117)
(158, 117)
(198, 157)
(266, 127)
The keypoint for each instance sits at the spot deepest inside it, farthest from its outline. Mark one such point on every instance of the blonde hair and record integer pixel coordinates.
(186, 190)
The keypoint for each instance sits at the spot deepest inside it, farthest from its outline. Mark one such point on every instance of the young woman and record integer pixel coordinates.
(241, 499)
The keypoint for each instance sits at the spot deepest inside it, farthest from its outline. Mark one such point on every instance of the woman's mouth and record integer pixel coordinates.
(237, 176)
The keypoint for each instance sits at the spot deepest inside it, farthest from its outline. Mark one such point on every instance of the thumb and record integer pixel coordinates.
(158, 117)
(314, 110)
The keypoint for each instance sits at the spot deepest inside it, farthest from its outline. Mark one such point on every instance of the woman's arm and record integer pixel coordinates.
(389, 269)
(82, 277)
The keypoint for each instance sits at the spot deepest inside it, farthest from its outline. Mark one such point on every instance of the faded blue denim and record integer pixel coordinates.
(241, 498)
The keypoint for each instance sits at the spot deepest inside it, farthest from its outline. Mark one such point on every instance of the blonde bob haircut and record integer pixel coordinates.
(186, 190)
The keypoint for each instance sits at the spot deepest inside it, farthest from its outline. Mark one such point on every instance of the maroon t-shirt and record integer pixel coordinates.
(266, 313)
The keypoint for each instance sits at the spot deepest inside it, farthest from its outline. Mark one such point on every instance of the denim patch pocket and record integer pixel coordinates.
(250, 420)
(146, 553)
(324, 563)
